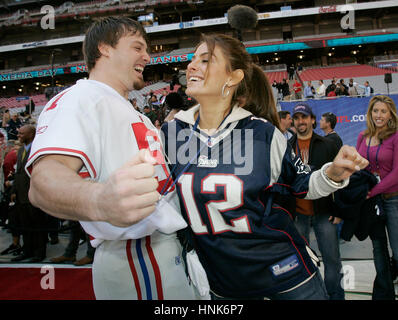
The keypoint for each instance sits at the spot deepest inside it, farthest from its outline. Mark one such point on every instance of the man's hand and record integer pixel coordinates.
(347, 161)
(129, 194)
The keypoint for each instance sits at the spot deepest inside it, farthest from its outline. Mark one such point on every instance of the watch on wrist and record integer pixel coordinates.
(330, 181)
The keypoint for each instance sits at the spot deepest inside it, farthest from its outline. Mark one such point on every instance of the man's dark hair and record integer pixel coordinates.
(331, 118)
(107, 31)
(283, 114)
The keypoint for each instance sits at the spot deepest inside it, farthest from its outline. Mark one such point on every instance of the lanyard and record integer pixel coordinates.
(377, 154)
(185, 169)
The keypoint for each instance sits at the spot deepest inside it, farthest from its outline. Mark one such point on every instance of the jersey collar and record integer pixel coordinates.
(237, 114)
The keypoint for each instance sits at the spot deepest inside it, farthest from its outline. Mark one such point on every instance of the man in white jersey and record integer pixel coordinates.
(97, 160)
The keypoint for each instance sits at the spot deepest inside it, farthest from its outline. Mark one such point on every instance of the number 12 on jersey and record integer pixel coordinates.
(233, 199)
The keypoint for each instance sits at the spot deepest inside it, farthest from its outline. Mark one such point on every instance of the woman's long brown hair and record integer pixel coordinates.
(254, 87)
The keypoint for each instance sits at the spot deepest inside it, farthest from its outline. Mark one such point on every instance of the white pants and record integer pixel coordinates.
(150, 268)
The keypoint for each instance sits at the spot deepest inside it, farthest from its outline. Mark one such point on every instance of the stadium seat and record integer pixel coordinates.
(13, 102)
(276, 75)
(341, 72)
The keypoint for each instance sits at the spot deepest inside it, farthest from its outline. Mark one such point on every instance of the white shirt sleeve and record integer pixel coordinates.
(73, 124)
(66, 128)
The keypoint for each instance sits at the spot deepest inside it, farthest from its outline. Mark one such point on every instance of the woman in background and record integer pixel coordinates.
(379, 144)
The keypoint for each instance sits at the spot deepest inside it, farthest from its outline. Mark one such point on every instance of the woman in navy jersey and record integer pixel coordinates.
(228, 161)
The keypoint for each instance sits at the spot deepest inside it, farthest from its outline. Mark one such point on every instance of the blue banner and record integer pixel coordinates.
(22, 98)
(43, 73)
(350, 113)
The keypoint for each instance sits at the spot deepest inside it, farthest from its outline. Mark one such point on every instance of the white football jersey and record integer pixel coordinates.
(93, 122)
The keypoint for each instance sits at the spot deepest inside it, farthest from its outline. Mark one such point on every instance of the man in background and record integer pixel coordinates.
(297, 88)
(309, 91)
(286, 124)
(13, 125)
(314, 152)
(327, 124)
(321, 90)
(32, 220)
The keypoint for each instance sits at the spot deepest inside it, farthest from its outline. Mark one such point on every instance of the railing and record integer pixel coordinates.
(386, 58)
(276, 67)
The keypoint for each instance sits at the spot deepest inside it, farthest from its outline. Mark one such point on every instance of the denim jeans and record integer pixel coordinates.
(328, 244)
(383, 287)
(313, 289)
(390, 208)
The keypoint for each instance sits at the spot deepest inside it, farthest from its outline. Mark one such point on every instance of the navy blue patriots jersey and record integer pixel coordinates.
(226, 183)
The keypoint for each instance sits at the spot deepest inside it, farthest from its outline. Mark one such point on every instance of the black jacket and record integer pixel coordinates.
(359, 213)
(12, 129)
(321, 151)
(336, 139)
(22, 181)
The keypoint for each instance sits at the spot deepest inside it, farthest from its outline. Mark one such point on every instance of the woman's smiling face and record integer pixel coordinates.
(380, 114)
(206, 77)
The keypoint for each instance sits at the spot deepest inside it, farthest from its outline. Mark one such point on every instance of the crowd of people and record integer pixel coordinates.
(242, 234)
(30, 228)
(295, 89)
(373, 208)
(162, 108)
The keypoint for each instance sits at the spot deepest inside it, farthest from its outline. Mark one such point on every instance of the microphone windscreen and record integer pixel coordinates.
(242, 17)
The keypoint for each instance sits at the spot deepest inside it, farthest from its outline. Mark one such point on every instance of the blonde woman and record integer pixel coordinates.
(379, 144)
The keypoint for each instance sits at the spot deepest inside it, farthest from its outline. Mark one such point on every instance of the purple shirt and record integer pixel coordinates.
(387, 159)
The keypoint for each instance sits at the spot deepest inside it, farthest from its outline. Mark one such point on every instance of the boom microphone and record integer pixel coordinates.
(242, 17)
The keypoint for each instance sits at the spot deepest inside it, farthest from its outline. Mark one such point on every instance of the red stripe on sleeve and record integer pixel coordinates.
(66, 150)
